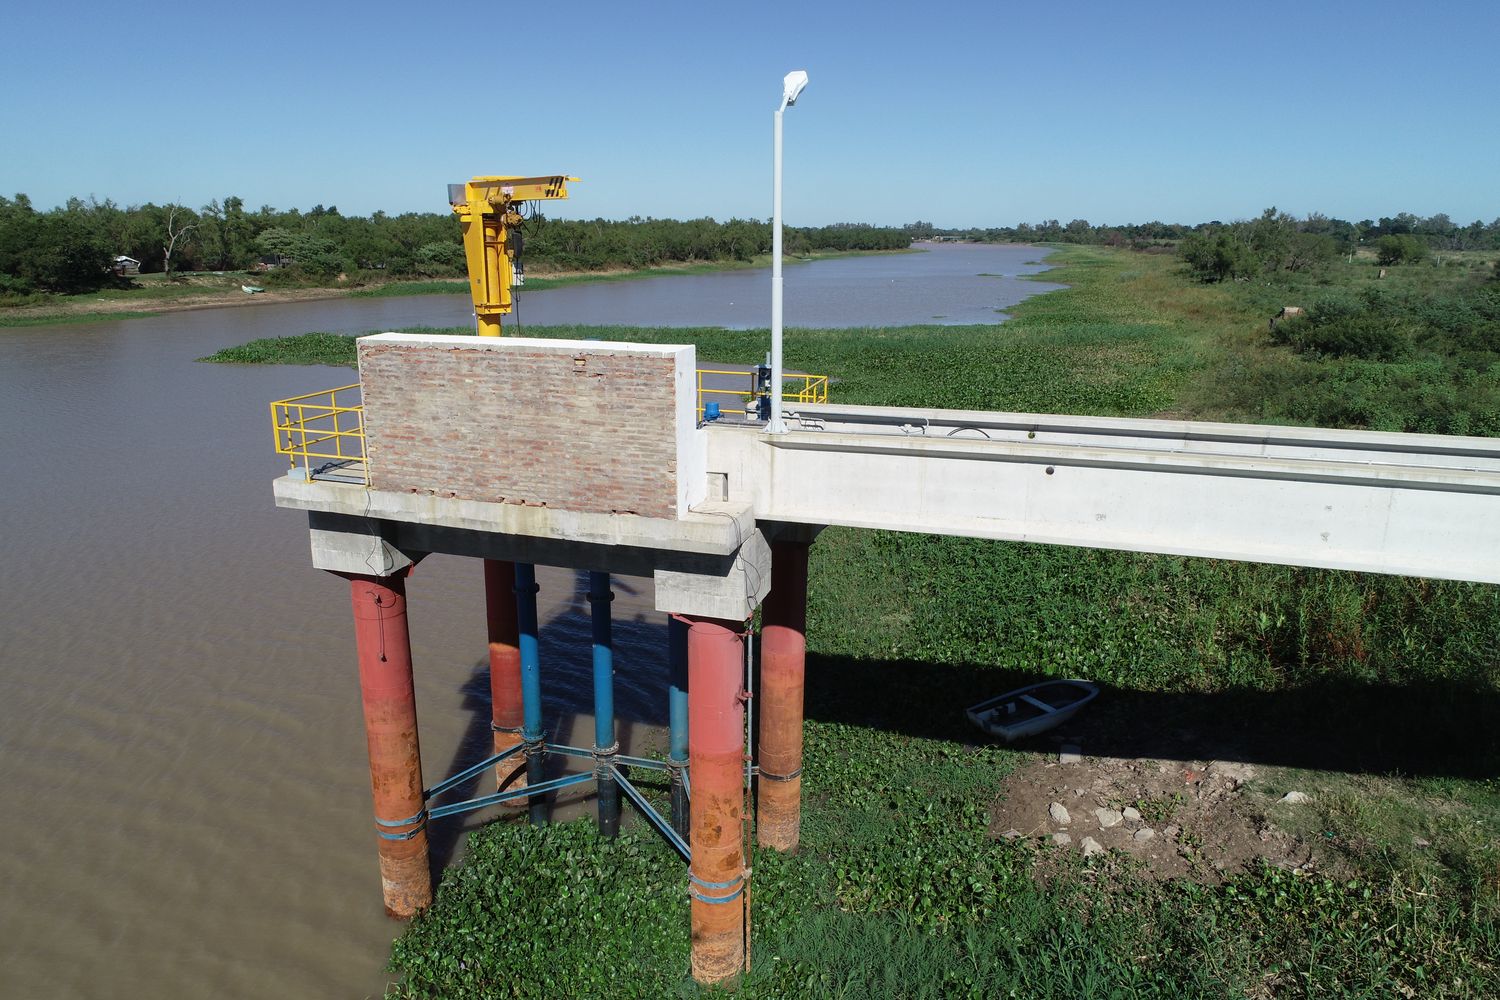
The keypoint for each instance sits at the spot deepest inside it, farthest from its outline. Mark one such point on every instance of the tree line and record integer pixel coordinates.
(1434, 232)
(72, 248)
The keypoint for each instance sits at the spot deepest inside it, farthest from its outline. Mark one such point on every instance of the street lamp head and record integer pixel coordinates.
(792, 86)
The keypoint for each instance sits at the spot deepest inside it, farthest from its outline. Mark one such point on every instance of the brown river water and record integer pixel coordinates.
(181, 752)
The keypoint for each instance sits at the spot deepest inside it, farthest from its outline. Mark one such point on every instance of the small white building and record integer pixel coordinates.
(126, 265)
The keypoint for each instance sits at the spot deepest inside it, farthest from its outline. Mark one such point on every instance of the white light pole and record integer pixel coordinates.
(790, 88)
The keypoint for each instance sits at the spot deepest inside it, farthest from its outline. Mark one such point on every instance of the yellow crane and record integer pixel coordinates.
(489, 208)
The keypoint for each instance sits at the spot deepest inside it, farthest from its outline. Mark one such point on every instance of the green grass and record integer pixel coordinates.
(59, 319)
(304, 349)
(1379, 693)
(900, 891)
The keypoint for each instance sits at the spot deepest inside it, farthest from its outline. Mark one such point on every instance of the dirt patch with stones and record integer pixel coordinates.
(1197, 818)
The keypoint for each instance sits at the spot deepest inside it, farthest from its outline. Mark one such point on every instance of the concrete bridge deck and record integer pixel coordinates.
(1421, 505)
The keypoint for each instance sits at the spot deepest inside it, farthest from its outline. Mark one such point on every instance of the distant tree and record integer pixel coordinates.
(439, 259)
(1305, 251)
(178, 224)
(1344, 234)
(1403, 249)
(1436, 225)
(1078, 231)
(1216, 256)
(58, 251)
(312, 254)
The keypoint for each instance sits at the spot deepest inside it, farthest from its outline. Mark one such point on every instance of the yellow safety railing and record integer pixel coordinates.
(742, 395)
(796, 388)
(327, 426)
(324, 431)
(813, 389)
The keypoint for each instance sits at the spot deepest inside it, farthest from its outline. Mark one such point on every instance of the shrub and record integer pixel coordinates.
(1344, 329)
(1391, 250)
(435, 260)
(1217, 256)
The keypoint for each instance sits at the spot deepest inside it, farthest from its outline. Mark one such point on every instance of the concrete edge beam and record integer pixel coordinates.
(687, 583)
(732, 595)
(876, 418)
(1167, 460)
(709, 528)
(342, 544)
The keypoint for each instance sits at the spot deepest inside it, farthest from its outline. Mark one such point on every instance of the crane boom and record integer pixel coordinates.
(488, 208)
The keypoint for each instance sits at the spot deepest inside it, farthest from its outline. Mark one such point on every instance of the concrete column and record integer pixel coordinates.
(677, 722)
(605, 746)
(716, 753)
(531, 686)
(783, 656)
(390, 707)
(505, 671)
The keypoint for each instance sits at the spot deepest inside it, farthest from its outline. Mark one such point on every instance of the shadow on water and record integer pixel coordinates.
(566, 641)
(1414, 730)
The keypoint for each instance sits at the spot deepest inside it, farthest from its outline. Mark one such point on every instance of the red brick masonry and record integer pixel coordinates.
(561, 424)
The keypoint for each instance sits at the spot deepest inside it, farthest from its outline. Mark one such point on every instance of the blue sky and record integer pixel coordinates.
(956, 113)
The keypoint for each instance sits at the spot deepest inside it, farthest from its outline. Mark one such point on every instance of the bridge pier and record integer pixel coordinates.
(531, 687)
(635, 497)
(505, 670)
(716, 750)
(783, 655)
(677, 721)
(606, 747)
(390, 710)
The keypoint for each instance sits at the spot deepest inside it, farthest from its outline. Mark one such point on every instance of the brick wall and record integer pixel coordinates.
(570, 425)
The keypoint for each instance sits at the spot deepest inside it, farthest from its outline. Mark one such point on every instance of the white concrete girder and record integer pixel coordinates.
(1388, 503)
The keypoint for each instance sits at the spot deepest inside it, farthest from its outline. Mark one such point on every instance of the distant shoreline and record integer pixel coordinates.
(226, 293)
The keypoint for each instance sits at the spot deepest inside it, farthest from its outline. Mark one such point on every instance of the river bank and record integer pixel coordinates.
(152, 295)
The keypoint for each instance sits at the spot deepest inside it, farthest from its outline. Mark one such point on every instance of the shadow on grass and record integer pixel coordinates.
(567, 715)
(1414, 730)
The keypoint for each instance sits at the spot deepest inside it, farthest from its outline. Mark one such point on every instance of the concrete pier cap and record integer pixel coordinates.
(574, 453)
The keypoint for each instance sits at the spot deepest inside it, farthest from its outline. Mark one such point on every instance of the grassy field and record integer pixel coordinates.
(1375, 696)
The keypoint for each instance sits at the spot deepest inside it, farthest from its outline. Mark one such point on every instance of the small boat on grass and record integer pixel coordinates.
(1033, 709)
(251, 289)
